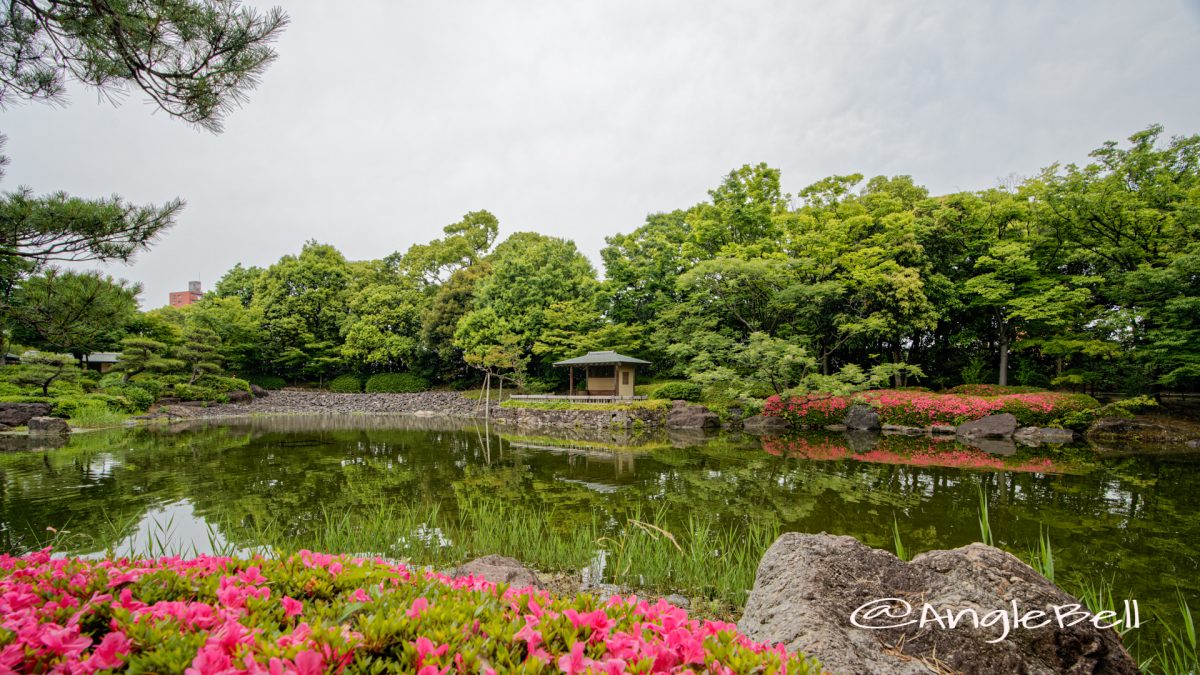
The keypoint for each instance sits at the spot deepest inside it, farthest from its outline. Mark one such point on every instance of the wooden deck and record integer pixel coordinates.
(576, 399)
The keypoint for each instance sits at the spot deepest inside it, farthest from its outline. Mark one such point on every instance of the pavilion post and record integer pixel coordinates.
(571, 385)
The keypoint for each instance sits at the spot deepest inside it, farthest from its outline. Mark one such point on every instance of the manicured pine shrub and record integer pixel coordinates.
(396, 383)
(346, 384)
(678, 391)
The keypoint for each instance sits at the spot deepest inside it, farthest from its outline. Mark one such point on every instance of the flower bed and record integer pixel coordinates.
(926, 454)
(920, 409)
(313, 613)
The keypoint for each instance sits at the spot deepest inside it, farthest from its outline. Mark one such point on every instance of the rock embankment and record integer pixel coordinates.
(439, 403)
(863, 610)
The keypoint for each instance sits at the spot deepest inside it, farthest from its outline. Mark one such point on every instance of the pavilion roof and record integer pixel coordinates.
(601, 359)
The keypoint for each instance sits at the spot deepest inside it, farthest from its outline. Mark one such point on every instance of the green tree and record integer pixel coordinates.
(144, 355)
(530, 272)
(42, 369)
(238, 329)
(239, 283)
(304, 301)
(195, 59)
(200, 353)
(74, 312)
(384, 327)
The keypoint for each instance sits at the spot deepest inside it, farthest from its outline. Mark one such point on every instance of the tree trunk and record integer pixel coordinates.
(1003, 352)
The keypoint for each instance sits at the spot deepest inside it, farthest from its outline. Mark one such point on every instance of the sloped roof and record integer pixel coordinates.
(601, 359)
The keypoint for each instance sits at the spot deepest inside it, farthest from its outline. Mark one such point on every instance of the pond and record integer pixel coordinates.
(680, 512)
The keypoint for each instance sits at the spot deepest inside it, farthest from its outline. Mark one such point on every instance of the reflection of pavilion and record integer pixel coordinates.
(621, 460)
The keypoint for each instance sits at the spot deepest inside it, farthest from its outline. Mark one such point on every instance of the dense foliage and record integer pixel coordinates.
(1082, 278)
(313, 613)
(922, 409)
(396, 383)
(346, 384)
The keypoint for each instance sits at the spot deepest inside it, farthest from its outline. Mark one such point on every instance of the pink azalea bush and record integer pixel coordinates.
(313, 613)
(921, 409)
(923, 453)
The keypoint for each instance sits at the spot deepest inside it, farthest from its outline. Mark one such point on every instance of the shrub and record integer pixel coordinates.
(138, 396)
(678, 391)
(811, 412)
(267, 381)
(919, 409)
(1039, 410)
(151, 383)
(346, 384)
(1128, 407)
(70, 406)
(190, 392)
(314, 613)
(397, 383)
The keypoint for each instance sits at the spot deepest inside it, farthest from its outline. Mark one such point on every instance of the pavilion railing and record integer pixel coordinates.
(575, 398)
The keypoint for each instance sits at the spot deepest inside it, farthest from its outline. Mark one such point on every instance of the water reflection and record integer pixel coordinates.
(1131, 518)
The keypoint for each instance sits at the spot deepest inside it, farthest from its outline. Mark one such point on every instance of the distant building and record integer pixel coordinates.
(102, 361)
(185, 298)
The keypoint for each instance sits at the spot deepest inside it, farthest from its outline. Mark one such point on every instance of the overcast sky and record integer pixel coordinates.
(383, 121)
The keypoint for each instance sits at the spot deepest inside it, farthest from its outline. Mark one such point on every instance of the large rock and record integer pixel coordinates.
(46, 426)
(765, 424)
(684, 415)
(861, 418)
(239, 396)
(992, 426)
(19, 414)
(809, 586)
(499, 569)
(1035, 436)
(258, 391)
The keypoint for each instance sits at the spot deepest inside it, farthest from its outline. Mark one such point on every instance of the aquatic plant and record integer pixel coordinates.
(314, 613)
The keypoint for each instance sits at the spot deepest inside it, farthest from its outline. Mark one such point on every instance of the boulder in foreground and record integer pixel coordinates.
(808, 586)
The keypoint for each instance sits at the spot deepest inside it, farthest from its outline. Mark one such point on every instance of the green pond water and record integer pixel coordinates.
(264, 482)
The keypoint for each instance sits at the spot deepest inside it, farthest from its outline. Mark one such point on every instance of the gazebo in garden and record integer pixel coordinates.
(607, 376)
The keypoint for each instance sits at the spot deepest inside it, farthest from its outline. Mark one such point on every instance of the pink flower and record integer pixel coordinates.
(309, 662)
(291, 607)
(65, 641)
(574, 662)
(418, 607)
(106, 655)
(426, 649)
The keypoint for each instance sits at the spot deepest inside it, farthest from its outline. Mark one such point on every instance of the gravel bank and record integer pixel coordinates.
(439, 403)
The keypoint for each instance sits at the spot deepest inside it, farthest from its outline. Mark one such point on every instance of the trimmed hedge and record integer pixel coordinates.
(315, 613)
(271, 382)
(920, 409)
(396, 383)
(346, 384)
(678, 391)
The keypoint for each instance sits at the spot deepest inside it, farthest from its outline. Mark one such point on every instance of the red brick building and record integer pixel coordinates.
(185, 298)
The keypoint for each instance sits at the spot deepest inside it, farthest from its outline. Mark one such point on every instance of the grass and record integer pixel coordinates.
(713, 565)
(96, 417)
(1179, 651)
(574, 405)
